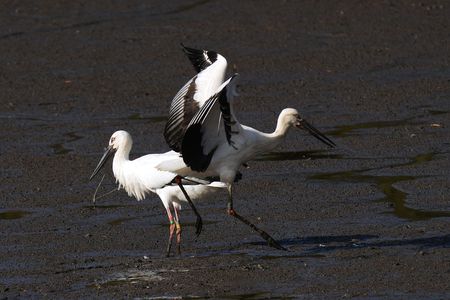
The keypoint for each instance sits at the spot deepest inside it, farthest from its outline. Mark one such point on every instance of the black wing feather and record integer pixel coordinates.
(193, 151)
(192, 144)
(191, 147)
(200, 59)
(226, 115)
(182, 110)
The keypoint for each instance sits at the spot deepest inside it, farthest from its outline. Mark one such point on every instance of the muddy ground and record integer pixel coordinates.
(368, 219)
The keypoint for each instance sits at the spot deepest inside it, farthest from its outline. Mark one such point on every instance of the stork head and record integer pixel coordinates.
(119, 141)
(290, 117)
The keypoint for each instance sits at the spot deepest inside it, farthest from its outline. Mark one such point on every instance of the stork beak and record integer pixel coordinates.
(302, 124)
(108, 153)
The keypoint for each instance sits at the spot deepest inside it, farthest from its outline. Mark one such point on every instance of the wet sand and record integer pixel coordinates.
(368, 219)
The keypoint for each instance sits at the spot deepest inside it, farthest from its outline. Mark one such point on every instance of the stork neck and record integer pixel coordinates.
(121, 158)
(270, 141)
(122, 155)
(281, 129)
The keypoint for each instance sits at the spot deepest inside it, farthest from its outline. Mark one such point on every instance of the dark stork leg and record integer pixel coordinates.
(262, 233)
(199, 222)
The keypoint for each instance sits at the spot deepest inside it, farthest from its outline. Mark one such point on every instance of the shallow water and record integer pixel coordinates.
(386, 184)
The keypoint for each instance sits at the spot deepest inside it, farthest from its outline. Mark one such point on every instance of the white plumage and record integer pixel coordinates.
(143, 175)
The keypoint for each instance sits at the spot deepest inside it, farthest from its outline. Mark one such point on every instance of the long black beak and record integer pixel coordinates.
(108, 153)
(314, 132)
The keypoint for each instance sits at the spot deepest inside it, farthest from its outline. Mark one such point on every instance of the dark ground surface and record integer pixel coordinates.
(369, 219)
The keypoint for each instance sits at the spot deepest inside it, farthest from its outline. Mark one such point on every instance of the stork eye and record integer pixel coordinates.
(112, 139)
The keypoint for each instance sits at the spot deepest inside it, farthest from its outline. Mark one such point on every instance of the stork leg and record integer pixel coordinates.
(178, 231)
(262, 233)
(199, 222)
(172, 227)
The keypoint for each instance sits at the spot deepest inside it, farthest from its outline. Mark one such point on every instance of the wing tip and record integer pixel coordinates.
(200, 58)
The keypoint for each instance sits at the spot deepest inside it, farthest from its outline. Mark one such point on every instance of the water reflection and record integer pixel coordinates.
(386, 184)
(345, 130)
(13, 214)
(60, 148)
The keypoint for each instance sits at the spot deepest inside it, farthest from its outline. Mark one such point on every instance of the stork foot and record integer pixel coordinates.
(231, 212)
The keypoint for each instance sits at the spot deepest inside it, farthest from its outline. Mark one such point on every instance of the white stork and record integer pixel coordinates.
(144, 175)
(202, 126)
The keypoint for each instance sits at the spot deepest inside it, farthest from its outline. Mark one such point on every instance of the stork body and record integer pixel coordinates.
(144, 175)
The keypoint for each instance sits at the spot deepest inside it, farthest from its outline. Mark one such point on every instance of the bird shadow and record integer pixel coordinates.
(298, 241)
(325, 244)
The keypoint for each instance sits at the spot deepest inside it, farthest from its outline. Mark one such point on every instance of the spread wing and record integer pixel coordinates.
(193, 95)
(213, 125)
